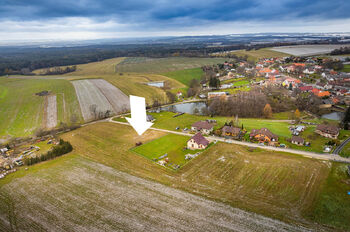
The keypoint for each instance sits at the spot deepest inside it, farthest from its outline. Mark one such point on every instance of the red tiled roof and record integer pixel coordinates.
(202, 125)
(306, 88)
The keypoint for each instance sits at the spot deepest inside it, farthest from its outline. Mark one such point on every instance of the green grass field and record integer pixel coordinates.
(255, 55)
(164, 65)
(346, 68)
(21, 111)
(333, 203)
(170, 144)
(186, 75)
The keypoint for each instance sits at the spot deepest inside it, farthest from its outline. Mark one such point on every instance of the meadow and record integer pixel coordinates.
(22, 112)
(185, 76)
(164, 65)
(346, 68)
(255, 55)
(279, 185)
(307, 50)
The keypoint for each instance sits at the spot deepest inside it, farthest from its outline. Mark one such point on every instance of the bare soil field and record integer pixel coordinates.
(308, 50)
(81, 195)
(88, 95)
(268, 183)
(119, 101)
(51, 112)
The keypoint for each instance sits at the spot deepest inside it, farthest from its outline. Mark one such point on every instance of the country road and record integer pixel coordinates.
(330, 157)
(338, 149)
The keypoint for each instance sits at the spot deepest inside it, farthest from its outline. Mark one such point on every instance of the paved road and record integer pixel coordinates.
(330, 157)
(338, 149)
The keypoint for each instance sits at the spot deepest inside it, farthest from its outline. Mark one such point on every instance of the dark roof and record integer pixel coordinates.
(231, 129)
(199, 139)
(202, 125)
(306, 88)
(297, 139)
(329, 129)
(263, 131)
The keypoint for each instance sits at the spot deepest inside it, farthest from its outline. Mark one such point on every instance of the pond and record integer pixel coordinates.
(334, 116)
(188, 108)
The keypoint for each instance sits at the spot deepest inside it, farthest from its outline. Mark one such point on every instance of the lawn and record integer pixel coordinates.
(164, 65)
(185, 76)
(21, 111)
(332, 205)
(170, 144)
(346, 68)
(278, 185)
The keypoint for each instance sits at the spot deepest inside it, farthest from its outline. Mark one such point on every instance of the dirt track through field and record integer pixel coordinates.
(88, 95)
(87, 196)
(51, 112)
(118, 100)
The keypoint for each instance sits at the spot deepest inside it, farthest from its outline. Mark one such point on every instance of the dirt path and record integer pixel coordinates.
(51, 112)
(89, 196)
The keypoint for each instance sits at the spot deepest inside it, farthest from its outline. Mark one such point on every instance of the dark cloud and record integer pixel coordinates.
(175, 12)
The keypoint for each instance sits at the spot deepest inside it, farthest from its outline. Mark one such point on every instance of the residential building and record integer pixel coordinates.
(328, 131)
(297, 140)
(202, 126)
(231, 131)
(197, 142)
(263, 135)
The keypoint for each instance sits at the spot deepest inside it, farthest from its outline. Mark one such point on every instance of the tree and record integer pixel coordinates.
(267, 111)
(214, 82)
(297, 114)
(93, 110)
(346, 119)
(171, 96)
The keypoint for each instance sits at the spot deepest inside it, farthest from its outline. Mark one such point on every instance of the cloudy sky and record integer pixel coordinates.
(93, 19)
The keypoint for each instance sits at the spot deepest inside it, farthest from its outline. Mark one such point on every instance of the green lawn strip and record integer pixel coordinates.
(185, 76)
(346, 68)
(332, 205)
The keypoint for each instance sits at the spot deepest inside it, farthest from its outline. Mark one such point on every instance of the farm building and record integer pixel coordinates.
(202, 126)
(197, 142)
(231, 131)
(328, 131)
(158, 84)
(297, 140)
(263, 135)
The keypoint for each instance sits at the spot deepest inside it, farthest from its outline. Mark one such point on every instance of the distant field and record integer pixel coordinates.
(22, 112)
(94, 68)
(163, 65)
(255, 55)
(185, 76)
(308, 50)
(279, 185)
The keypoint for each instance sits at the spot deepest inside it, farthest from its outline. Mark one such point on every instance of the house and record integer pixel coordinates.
(328, 131)
(179, 94)
(231, 131)
(197, 142)
(3, 150)
(202, 126)
(263, 135)
(297, 140)
(298, 129)
(150, 118)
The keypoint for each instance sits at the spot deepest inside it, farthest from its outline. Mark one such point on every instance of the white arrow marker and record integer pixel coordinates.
(138, 118)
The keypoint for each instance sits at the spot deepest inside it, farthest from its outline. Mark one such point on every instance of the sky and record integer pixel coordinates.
(38, 20)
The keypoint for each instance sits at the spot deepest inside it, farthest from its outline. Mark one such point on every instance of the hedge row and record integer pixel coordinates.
(62, 148)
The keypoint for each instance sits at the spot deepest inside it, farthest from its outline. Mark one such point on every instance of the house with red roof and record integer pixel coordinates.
(307, 88)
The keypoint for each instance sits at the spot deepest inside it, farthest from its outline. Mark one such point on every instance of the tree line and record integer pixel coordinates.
(341, 51)
(62, 148)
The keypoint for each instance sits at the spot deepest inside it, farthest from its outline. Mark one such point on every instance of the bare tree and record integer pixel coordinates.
(93, 110)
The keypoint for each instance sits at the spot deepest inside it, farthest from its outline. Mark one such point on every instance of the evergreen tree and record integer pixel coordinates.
(346, 119)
